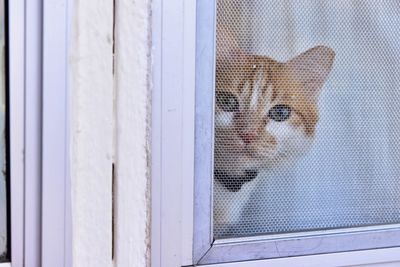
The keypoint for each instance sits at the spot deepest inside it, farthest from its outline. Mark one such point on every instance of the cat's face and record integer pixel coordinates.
(266, 111)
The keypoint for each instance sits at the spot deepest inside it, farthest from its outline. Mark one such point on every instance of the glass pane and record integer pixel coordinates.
(307, 116)
(3, 178)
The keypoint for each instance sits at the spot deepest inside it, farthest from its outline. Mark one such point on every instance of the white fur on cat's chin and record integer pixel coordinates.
(291, 141)
(224, 119)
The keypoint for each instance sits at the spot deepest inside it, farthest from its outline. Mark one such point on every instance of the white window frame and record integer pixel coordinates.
(38, 97)
(16, 44)
(182, 132)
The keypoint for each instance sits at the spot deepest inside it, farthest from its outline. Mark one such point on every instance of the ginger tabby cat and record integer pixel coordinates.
(265, 117)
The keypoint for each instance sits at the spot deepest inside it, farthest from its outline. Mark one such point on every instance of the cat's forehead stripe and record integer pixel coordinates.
(268, 91)
(246, 88)
(258, 87)
(269, 73)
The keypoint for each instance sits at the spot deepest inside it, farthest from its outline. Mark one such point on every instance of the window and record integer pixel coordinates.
(315, 156)
(282, 115)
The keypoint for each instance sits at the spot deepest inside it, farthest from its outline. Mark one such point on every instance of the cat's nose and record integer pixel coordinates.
(248, 137)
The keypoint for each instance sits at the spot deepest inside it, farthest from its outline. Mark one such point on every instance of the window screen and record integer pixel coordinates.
(307, 124)
(3, 174)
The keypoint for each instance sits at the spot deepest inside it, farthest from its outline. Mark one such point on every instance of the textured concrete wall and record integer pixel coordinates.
(91, 87)
(109, 83)
(132, 100)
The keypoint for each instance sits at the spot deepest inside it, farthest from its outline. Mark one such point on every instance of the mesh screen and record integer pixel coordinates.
(307, 120)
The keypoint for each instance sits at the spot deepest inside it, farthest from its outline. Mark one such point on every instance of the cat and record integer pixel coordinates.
(265, 117)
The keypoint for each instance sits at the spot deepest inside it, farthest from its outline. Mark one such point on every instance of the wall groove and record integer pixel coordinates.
(132, 147)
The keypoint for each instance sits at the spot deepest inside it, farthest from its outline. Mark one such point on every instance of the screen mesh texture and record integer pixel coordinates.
(307, 124)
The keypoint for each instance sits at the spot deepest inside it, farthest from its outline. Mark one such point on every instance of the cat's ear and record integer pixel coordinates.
(311, 68)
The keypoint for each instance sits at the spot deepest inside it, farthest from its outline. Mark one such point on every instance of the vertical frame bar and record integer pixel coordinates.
(24, 86)
(173, 132)
(188, 129)
(205, 83)
(16, 78)
(54, 134)
(33, 129)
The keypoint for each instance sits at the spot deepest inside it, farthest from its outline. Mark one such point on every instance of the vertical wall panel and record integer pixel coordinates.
(131, 195)
(91, 96)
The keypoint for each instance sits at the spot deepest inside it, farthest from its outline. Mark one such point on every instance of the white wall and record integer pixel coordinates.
(91, 93)
(132, 145)
(109, 125)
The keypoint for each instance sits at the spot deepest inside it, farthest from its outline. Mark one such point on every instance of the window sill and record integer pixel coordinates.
(370, 258)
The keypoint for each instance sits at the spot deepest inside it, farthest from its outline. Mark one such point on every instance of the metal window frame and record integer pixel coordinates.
(16, 96)
(172, 157)
(56, 224)
(38, 127)
(182, 133)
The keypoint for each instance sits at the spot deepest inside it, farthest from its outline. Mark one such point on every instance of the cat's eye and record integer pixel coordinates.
(227, 101)
(279, 113)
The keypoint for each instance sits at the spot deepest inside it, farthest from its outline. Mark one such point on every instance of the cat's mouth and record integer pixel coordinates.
(234, 182)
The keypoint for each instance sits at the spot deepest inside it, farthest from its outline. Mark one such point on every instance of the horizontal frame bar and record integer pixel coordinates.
(389, 257)
(302, 246)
